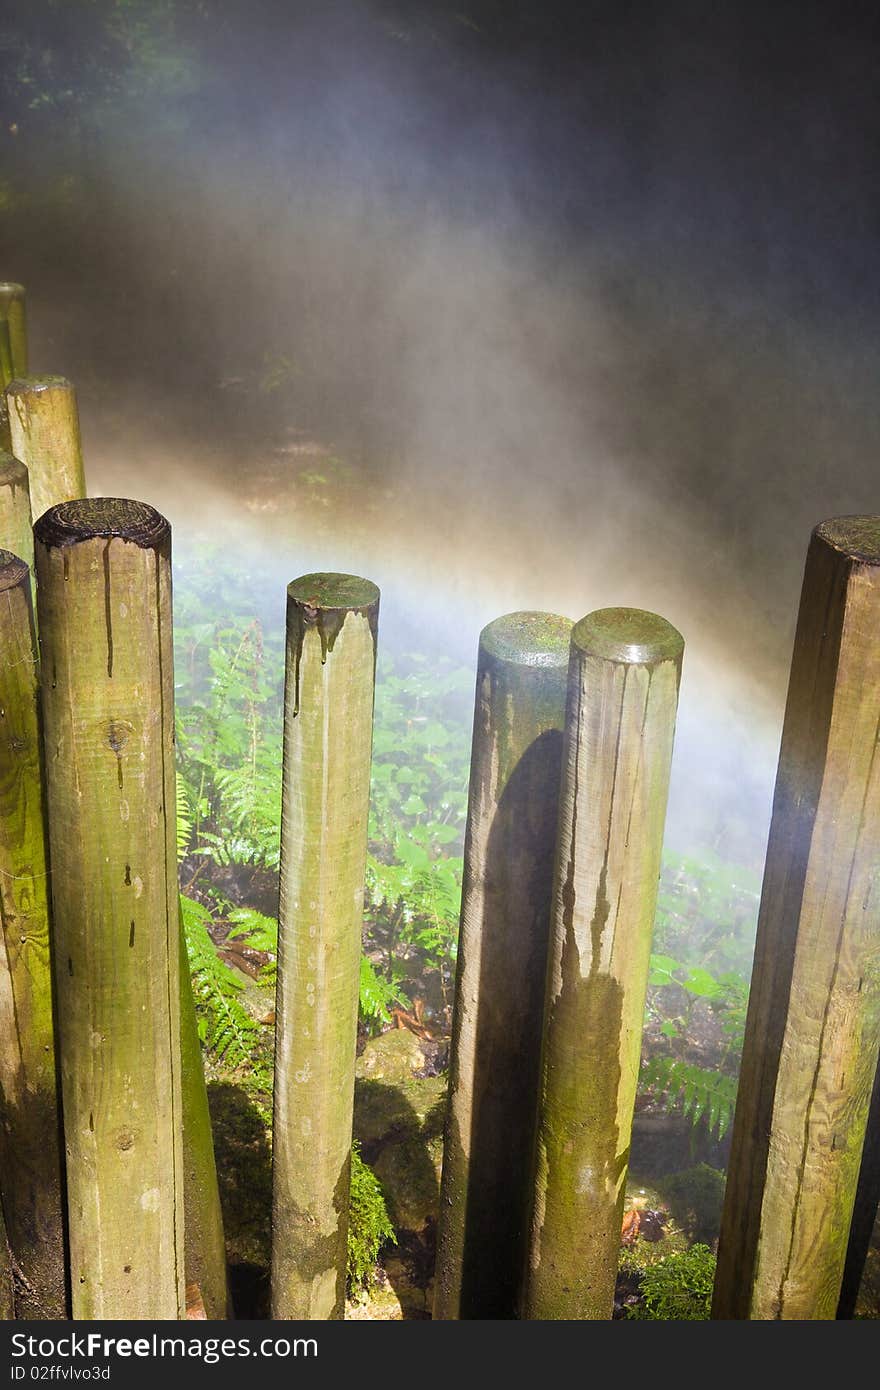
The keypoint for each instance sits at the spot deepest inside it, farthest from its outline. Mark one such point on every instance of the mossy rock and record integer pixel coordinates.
(695, 1197)
(393, 1056)
(409, 1171)
(398, 1120)
(389, 1099)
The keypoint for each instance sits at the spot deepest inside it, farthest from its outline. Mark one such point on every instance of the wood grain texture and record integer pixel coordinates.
(622, 698)
(45, 434)
(13, 311)
(104, 592)
(328, 718)
(513, 804)
(206, 1267)
(31, 1175)
(813, 1025)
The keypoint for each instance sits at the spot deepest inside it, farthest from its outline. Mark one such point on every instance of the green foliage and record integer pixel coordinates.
(229, 733)
(707, 912)
(701, 1092)
(379, 994)
(224, 1025)
(419, 806)
(679, 989)
(678, 1288)
(229, 740)
(369, 1227)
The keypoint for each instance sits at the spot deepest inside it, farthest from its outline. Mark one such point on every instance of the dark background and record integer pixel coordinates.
(584, 296)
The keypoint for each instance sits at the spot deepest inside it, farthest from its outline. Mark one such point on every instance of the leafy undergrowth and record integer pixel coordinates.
(677, 1287)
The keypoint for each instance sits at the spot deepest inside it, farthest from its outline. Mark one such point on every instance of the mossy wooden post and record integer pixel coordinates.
(328, 716)
(865, 1210)
(206, 1269)
(623, 683)
(13, 311)
(6, 375)
(104, 595)
(30, 1120)
(44, 427)
(7, 1295)
(516, 760)
(813, 1023)
(16, 527)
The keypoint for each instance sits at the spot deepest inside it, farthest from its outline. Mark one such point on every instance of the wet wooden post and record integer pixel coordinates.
(16, 527)
(328, 714)
(813, 1023)
(30, 1117)
(104, 595)
(6, 375)
(44, 428)
(865, 1210)
(206, 1268)
(13, 312)
(622, 698)
(513, 803)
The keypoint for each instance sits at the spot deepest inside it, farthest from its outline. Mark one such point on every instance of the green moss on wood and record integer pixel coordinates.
(13, 312)
(109, 734)
(813, 1025)
(30, 1138)
(620, 716)
(506, 898)
(45, 435)
(325, 806)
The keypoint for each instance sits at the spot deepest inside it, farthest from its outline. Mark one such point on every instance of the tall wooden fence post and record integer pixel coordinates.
(30, 1119)
(502, 964)
(13, 311)
(104, 595)
(44, 427)
(328, 714)
(6, 375)
(813, 1023)
(620, 718)
(206, 1269)
(865, 1210)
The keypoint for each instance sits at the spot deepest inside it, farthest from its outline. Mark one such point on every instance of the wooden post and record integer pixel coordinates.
(865, 1209)
(104, 594)
(6, 375)
(206, 1268)
(622, 697)
(16, 527)
(328, 713)
(44, 426)
(813, 1023)
(30, 1120)
(13, 311)
(7, 1293)
(513, 804)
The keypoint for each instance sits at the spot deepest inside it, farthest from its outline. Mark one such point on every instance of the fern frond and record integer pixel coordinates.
(225, 1026)
(696, 1090)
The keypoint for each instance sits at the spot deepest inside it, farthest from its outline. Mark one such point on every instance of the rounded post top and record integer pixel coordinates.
(13, 570)
(333, 592)
(37, 385)
(629, 635)
(528, 639)
(11, 289)
(856, 537)
(12, 471)
(96, 518)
